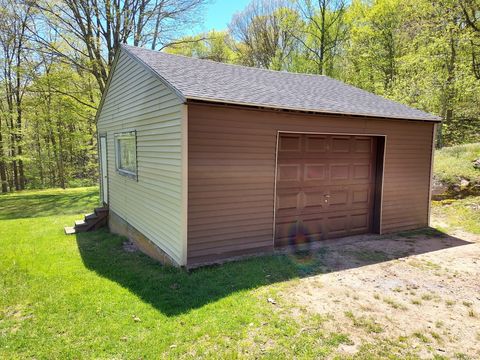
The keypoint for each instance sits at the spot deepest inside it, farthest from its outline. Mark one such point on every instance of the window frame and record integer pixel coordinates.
(126, 135)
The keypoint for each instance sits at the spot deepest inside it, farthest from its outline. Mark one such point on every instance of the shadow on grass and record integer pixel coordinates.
(175, 291)
(35, 204)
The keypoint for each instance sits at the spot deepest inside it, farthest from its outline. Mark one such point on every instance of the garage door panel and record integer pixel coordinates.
(286, 230)
(289, 172)
(340, 144)
(315, 172)
(361, 196)
(325, 187)
(288, 201)
(337, 225)
(296, 232)
(314, 199)
(327, 157)
(362, 145)
(290, 143)
(313, 229)
(362, 171)
(338, 198)
(339, 172)
(359, 222)
(316, 144)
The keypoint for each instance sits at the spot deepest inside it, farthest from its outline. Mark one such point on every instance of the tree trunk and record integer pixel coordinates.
(13, 155)
(448, 111)
(3, 177)
(323, 10)
(61, 164)
(156, 32)
(18, 140)
(3, 169)
(39, 155)
(56, 156)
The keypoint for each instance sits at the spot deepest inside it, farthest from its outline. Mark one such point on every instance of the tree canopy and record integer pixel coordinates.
(55, 57)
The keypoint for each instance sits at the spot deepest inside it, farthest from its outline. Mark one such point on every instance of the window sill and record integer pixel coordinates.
(127, 174)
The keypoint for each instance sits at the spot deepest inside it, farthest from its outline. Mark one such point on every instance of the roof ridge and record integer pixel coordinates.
(227, 64)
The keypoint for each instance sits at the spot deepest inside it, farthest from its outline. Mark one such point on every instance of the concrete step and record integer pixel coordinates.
(69, 230)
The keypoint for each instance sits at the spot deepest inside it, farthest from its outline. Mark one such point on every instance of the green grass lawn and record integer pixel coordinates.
(458, 214)
(452, 164)
(85, 297)
(455, 162)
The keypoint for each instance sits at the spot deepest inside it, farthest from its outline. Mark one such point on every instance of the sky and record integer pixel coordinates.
(218, 13)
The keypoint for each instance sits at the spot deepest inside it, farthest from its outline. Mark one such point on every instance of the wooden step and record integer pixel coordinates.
(101, 222)
(69, 230)
(90, 222)
(91, 216)
(99, 211)
(80, 223)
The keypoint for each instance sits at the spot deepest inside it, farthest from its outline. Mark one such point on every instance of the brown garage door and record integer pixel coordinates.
(325, 187)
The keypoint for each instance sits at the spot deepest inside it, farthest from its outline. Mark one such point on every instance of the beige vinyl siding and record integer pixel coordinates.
(137, 100)
(232, 174)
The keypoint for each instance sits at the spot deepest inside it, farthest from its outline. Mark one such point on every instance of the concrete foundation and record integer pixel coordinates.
(118, 225)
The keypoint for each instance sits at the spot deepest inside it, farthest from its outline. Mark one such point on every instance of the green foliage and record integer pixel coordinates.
(375, 44)
(60, 108)
(47, 107)
(455, 163)
(417, 53)
(212, 45)
(421, 53)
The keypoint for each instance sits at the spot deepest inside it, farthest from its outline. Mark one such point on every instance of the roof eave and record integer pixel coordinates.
(435, 119)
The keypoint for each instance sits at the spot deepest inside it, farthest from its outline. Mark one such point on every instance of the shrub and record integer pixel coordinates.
(452, 164)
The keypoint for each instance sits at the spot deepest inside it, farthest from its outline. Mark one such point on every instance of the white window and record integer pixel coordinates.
(126, 153)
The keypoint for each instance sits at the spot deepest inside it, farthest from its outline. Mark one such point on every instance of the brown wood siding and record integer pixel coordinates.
(231, 174)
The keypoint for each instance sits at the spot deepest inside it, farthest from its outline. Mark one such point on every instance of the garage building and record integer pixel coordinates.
(203, 161)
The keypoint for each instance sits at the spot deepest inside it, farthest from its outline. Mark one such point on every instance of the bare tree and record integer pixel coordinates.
(264, 33)
(94, 29)
(471, 14)
(323, 30)
(14, 20)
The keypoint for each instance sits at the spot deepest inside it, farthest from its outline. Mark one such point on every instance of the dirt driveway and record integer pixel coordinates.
(417, 292)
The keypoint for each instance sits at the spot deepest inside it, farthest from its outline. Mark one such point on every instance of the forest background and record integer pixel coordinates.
(55, 57)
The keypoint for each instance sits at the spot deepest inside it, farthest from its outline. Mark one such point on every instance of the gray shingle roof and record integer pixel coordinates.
(207, 80)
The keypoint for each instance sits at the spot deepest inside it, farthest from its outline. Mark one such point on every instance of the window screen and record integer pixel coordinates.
(126, 153)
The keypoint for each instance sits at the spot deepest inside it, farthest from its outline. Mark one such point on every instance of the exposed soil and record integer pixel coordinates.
(129, 246)
(419, 289)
